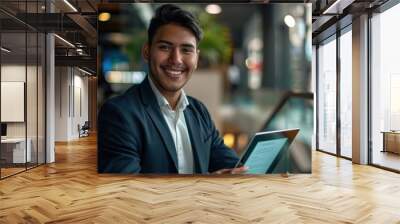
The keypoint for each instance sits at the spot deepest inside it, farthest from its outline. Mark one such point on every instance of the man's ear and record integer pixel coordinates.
(146, 52)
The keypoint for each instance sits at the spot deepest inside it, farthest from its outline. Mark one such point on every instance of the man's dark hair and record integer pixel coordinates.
(169, 13)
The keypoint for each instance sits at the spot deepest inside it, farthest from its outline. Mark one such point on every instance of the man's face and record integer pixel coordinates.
(172, 57)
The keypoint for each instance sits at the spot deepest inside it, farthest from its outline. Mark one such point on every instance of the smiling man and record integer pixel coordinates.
(155, 127)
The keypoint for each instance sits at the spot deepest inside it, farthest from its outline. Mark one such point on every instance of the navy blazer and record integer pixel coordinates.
(133, 136)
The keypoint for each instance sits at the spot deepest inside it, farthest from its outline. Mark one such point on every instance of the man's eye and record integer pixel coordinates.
(187, 50)
(164, 47)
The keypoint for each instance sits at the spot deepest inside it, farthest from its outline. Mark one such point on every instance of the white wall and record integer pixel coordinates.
(81, 104)
(62, 81)
(71, 94)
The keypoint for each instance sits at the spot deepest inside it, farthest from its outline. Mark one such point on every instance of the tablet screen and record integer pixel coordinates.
(263, 155)
(267, 152)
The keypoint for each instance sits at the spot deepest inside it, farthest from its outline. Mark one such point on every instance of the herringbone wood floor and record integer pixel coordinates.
(70, 191)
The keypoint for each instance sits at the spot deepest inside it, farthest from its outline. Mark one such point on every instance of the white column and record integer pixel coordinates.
(360, 90)
(50, 92)
(50, 109)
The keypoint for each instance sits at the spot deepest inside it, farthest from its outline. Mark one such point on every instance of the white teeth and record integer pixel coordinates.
(173, 72)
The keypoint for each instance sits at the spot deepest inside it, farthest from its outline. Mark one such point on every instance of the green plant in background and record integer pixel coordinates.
(133, 48)
(216, 46)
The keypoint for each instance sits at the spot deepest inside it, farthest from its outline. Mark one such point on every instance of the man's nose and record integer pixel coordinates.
(175, 57)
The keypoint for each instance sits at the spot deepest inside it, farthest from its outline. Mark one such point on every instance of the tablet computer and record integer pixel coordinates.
(267, 150)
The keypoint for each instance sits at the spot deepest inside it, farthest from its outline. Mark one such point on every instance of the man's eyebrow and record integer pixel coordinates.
(188, 45)
(170, 43)
(164, 42)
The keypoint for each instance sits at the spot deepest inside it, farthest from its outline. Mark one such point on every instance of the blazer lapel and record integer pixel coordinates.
(196, 140)
(153, 109)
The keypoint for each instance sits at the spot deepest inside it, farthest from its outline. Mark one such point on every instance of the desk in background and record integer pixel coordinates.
(13, 150)
(391, 141)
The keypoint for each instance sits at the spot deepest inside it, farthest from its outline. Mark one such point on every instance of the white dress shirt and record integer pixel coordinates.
(178, 128)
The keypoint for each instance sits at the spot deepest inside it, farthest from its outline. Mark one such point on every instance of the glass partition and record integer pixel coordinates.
(13, 105)
(31, 99)
(22, 89)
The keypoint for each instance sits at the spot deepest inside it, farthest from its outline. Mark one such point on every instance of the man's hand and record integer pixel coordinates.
(239, 170)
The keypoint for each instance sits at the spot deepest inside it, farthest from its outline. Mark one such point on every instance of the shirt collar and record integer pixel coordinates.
(163, 102)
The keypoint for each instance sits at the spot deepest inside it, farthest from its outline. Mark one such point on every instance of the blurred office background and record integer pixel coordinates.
(254, 69)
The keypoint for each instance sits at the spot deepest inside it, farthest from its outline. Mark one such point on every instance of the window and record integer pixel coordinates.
(385, 88)
(327, 96)
(346, 94)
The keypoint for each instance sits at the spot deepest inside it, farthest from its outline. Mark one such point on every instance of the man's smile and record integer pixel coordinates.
(173, 72)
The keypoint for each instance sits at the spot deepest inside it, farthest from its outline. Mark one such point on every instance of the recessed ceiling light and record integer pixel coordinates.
(289, 21)
(104, 16)
(213, 9)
